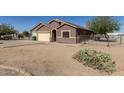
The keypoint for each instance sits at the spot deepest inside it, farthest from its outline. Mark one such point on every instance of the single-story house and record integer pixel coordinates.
(60, 32)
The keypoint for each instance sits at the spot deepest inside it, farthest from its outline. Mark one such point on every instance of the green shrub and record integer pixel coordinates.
(96, 60)
(34, 38)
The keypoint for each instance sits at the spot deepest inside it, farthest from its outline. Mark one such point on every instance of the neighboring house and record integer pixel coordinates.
(112, 36)
(61, 32)
(115, 36)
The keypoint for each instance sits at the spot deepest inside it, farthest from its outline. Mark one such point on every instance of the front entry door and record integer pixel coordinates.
(54, 35)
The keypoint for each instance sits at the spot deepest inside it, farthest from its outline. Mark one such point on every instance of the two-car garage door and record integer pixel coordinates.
(43, 36)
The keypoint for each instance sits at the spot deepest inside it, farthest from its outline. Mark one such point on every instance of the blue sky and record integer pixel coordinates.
(23, 23)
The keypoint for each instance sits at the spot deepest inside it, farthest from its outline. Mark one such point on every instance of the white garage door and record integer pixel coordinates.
(43, 36)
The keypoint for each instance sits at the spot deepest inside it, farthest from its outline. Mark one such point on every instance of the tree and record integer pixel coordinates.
(20, 36)
(103, 25)
(6, 29)
(26, 34)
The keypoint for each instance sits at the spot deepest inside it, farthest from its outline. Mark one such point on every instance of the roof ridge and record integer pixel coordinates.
(66, 22)
(36, 26)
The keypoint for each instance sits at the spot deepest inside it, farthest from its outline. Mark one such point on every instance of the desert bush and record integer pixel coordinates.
(96, 60)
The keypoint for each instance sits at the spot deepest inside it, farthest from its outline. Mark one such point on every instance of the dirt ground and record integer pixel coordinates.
(56, 59)
(6, 72)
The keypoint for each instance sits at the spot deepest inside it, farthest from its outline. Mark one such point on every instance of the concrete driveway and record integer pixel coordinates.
(14, 43)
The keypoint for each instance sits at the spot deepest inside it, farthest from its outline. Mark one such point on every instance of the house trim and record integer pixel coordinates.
(42, 32)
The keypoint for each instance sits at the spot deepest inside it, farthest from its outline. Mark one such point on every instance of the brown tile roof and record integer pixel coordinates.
(63, 23)
(68, 23)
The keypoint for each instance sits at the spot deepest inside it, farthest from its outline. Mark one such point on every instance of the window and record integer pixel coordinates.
(65, 34)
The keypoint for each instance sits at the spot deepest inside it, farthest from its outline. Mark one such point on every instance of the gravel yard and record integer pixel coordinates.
(14, 43)
(56, 59)
(6, 72)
